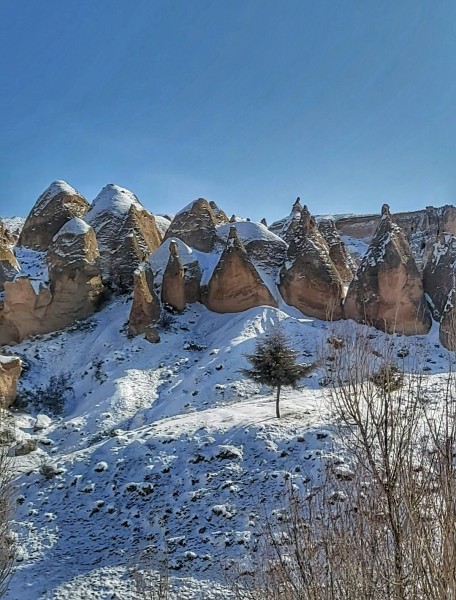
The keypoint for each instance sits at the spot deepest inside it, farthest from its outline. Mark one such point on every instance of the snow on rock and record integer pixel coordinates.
(126, 233)
(57, 204)
(75, 226)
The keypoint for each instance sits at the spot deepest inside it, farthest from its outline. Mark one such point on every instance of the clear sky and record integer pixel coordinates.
(250, 103)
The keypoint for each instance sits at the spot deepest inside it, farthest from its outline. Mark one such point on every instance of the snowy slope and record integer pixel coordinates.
(167, 442)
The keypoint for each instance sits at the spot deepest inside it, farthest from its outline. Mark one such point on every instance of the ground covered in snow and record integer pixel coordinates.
(168, 447)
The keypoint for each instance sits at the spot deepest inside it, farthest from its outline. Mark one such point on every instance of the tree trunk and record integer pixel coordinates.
(277, 401)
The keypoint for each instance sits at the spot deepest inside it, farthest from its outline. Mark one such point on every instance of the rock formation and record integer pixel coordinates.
(235, 285)
(196, 225)
(421, 228)
(337, 250)
(145, 309)
(439, 274)
(10, 370)
(265, 249)
(286, 228)
(126, 233)
(447, 330)
(173, 286)
(56, 205)
(309, 279)
(74, 292)
(74, 273)
(387, 291)
(220, 216)
(9, 267)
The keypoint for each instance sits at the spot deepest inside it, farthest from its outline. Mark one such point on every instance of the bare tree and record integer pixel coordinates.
(385, 529)
(7, 545)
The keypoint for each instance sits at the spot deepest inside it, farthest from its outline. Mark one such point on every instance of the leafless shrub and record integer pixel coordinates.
(387, 532)
(7, 544)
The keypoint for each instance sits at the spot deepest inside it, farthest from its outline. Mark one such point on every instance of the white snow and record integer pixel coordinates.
(113, 199)
(249, 231)
(13, 224)
(56, 188)
(162, 224)
(75, 226)
(170, 441)
(7, 359)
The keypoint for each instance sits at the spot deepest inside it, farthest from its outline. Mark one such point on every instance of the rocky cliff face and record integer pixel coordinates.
(196, 225)
(57, 204)
(10, 371)
(126, 233)
(387, 291)
(235, 284)
(309, 280)
(439, 274)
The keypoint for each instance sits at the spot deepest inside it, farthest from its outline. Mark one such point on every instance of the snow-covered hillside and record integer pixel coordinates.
(167, 444)
(14, 224)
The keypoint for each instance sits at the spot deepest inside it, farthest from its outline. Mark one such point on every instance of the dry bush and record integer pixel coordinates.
(388, 532)
(7, 544)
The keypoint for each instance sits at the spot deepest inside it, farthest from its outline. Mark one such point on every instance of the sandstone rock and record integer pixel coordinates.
(220, 216)
(9, 267)
(145, 309)
(173, 286)
(387, 291)
(421, 228)
(25, 447)
(265, 249)
(33, 307)
(287, 228)
(74, 274)
(151, 334)
(235, 285)
(10, 370)
(24, 310)
(126, 233)
(56, 205)
(337, 250)
(439, 274)
(196, 225)
(447, 330)
(309, 279)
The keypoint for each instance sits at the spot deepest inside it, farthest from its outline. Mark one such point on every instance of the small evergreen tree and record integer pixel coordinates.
(274, 364)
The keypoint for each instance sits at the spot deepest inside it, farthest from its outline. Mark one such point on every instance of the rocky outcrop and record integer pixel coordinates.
(387, 291)
(337, 250)
(196, 225)
(10, 371)
(74, 273)
(145, 309)
(235, 285)
(421, 227)
(439, 274)
(287, 228)
(24, 310)
(126, 233)
(220, 216)
(447, 330)
(309, 279)
(173, 286)
(265, 249)
(74, 291)
(56, 205)
(9, 267)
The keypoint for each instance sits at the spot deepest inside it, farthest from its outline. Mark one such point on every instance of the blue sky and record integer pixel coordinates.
(250, 103)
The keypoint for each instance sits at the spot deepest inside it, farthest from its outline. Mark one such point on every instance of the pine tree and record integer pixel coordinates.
(274, 364)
